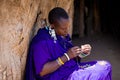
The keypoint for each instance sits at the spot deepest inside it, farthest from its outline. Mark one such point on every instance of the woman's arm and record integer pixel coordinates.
(53, 65)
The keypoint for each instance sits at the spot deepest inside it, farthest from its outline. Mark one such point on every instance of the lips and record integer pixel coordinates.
(65, 34)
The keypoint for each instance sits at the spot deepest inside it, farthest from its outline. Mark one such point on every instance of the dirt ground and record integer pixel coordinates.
(104, 47)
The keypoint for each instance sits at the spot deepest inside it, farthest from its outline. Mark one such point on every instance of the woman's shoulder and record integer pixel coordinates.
(42, 42)
(41, 36)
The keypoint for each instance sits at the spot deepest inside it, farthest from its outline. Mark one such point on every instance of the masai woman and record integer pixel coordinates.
(52, 56)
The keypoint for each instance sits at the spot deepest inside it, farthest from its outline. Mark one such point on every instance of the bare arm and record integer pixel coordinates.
(51, 66)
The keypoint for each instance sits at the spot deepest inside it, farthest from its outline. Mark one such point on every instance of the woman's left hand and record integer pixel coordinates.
(86, 48)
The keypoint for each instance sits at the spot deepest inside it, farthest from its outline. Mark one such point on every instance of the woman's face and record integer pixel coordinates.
(61, 26)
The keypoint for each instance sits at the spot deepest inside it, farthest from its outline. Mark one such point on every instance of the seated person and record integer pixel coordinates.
(52, 55)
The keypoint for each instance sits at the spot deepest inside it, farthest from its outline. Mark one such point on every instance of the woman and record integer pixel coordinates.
(53, 57)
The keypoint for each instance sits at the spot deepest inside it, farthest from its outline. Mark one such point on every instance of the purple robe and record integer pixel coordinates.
(43, 49)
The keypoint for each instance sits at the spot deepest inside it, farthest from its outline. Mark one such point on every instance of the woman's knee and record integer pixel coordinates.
(104, 65)
(104, 62)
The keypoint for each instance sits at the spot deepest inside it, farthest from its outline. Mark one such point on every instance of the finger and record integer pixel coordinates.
(86, 45)
(76, 47)
(78, 52)
(86, 50)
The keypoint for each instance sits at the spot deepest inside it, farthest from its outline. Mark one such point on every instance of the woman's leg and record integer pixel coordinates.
(94, 70)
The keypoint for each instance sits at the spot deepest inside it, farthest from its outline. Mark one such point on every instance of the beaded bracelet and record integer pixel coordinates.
(59, 59)
(68, 58)
(58, 62)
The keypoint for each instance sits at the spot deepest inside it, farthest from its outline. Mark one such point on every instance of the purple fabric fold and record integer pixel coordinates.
(101, 70)
(43, 49)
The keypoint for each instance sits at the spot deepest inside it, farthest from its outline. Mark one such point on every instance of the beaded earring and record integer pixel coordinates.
(52, 33)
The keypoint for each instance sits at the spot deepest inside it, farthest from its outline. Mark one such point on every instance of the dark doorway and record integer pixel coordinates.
(108, 13)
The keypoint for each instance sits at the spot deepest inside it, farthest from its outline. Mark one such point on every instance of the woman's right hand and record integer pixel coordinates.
(74, 52)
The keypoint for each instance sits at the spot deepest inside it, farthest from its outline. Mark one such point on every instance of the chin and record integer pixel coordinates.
(65, 35)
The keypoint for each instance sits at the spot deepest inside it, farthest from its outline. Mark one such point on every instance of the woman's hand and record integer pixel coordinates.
(74, 51)
(86, 48)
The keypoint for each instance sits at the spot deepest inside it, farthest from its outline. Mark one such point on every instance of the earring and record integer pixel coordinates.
(52, 33)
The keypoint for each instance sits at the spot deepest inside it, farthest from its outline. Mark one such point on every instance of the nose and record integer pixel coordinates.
(66, 30)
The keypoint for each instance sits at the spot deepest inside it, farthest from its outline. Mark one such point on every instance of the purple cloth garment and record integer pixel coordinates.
(43, 49)
(98, 70)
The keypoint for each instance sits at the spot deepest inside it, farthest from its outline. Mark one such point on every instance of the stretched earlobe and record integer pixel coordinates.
(52, 33)
(52, 26)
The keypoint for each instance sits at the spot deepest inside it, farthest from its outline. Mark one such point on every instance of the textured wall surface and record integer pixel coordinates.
(19, 21)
